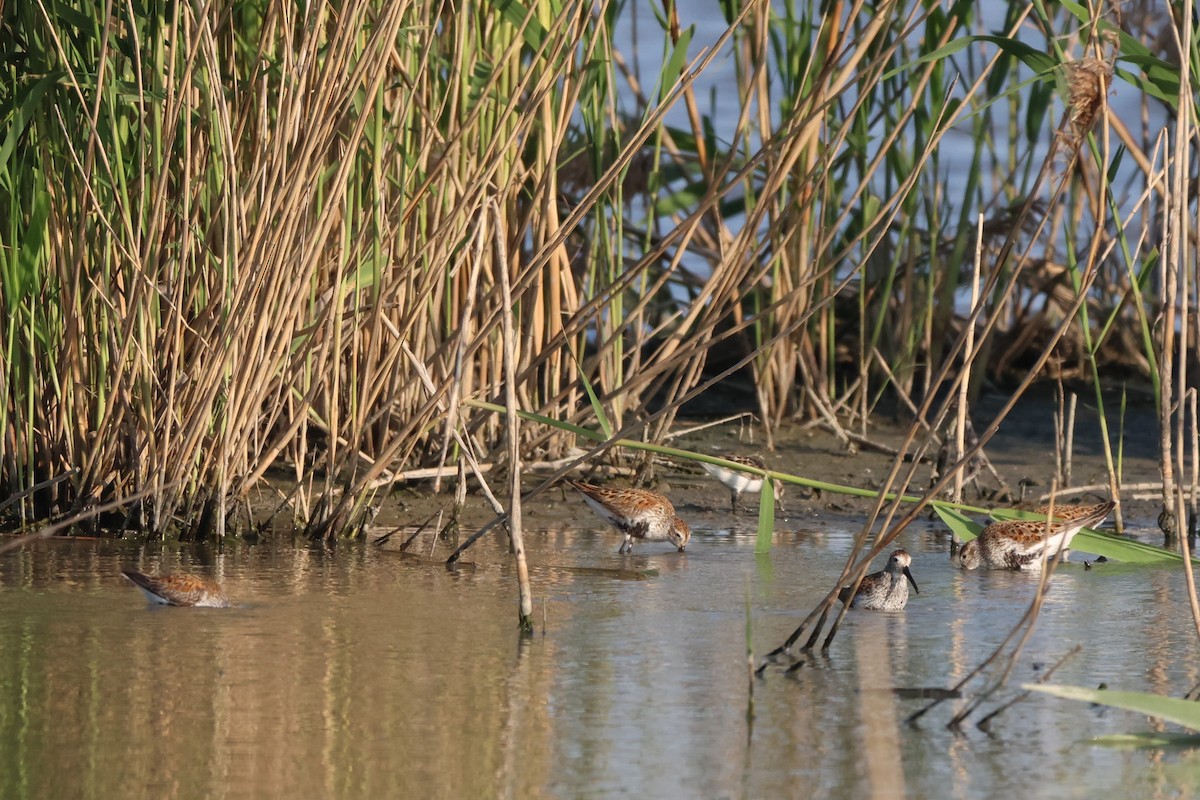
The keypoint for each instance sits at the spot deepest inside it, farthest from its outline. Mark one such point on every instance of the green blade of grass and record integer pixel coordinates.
(1149, 740)
(597, 406)
(766, 516)
(1171, 709)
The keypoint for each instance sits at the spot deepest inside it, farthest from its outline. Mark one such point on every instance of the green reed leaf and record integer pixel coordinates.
(766, 516)
(1171, 709)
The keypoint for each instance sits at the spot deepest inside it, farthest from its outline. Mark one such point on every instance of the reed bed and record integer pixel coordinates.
(266, 252)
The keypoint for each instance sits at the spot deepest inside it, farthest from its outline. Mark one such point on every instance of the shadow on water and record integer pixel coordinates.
(362, 673)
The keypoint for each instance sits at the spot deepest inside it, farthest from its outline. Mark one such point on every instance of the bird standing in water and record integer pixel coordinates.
(637, 513)
(1022, 544)
(886, 590)
(739, 481)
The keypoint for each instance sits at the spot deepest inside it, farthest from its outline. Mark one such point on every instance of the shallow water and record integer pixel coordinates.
(363, 673)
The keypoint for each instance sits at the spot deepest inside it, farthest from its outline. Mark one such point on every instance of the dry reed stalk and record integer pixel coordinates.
(1059, 425)
(1178, 222)
(985, 722)
(463, 335)
(1181, 408)
(1189, 574)
(1194, 494)
(960, 429)
(1167, 520)
(1019, 632)
(515, 531)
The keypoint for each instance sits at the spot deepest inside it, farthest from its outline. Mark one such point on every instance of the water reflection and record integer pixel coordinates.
(363, 673)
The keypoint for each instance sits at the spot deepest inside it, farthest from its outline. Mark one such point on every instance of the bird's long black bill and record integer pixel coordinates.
(908, 575)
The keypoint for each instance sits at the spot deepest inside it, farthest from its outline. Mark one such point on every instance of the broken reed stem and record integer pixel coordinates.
(943, 376)
(439, 530)
(513, 428)
(380, 541)
(968, 359)
(1064, 433)
(37, 487)
(1025, 626)
(984, 723)
(995, 655)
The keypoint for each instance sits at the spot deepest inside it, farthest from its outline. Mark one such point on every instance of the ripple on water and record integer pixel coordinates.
(360, 673)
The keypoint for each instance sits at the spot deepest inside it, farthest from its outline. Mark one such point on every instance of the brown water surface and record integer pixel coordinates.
(362, 673)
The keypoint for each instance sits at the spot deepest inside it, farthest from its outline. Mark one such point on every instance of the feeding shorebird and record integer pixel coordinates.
(886, 590)
(739, 481)
(1067, 512)
(1021, 543)
(637, 513)
(179, 590)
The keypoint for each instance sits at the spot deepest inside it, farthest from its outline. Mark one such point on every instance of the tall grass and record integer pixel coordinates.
(224, 224)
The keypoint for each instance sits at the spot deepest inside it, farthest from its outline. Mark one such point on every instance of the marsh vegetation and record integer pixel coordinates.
(262, 263)
(274, 242)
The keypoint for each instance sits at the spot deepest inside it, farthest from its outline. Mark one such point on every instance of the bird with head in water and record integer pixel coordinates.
(178, 590)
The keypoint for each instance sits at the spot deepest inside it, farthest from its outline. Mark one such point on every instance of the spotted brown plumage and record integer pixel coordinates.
(886, 590)
(179, 590)
(637, 513)
(1022, 544)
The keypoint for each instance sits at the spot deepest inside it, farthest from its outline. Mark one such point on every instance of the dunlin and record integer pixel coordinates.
(179, 590)
(886, 590)
(1022, 543)
(739, 481)
(637, 513)
(1069, 512)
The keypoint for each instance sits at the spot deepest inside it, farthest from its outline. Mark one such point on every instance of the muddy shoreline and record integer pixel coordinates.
(1022, 452)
